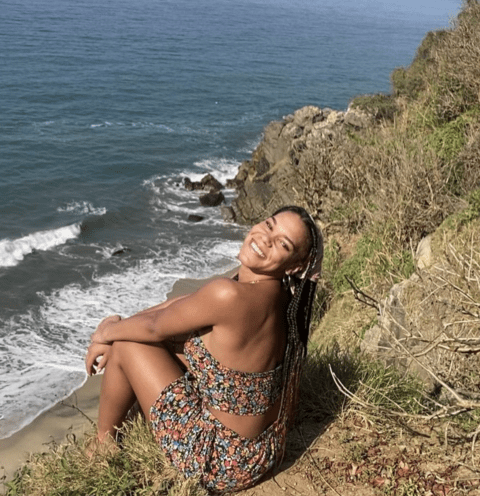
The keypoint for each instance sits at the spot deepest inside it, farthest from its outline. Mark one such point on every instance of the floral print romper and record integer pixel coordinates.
(200, 445)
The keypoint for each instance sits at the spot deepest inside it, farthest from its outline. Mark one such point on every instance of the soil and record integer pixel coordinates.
(357, 457)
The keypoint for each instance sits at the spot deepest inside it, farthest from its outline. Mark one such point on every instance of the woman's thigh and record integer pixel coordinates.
(148, 368)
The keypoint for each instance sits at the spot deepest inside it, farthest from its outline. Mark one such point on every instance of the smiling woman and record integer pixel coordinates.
(220, 404)
(276, 246)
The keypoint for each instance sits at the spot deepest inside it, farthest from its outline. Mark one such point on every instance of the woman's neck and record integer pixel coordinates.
(247, 276)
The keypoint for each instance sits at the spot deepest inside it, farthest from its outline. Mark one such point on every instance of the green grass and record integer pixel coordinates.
(464, 216)
(373, 259)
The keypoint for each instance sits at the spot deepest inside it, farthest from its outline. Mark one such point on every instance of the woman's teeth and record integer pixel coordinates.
(256, 249)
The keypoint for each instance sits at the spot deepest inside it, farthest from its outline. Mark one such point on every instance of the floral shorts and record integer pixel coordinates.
(200, 445)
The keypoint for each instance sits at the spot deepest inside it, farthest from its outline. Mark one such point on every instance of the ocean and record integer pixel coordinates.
(105, 108)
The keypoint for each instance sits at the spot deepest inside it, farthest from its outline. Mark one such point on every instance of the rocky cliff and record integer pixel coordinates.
(270, 179)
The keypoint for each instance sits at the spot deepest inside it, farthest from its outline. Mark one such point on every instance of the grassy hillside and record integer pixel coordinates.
(397, 180)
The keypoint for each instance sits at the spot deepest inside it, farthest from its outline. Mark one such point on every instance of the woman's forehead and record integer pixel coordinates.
(292, 226)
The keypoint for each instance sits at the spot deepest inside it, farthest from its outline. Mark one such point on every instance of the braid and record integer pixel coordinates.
(299, 313)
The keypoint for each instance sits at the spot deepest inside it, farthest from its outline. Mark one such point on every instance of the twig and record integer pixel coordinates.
(75, 407)
(363, 297)
(460, 401)
(474, 440)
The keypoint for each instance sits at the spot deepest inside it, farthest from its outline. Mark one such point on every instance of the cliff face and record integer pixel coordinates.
(272, 176)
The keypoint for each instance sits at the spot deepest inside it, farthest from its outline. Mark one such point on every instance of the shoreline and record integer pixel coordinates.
(73, 415)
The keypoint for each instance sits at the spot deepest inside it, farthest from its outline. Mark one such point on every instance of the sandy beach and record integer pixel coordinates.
(73, 415)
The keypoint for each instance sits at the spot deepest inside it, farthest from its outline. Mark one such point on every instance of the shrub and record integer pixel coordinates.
(380, 106)
(410, 82)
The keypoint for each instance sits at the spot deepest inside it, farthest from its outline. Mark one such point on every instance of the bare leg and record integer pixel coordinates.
(133, 371)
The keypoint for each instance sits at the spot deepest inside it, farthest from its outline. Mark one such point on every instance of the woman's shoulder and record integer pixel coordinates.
(222, 289)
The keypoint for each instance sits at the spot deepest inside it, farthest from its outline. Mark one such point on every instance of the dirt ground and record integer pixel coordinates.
(357, 457)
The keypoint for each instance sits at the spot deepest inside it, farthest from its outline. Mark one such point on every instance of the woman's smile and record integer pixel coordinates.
(257, 249)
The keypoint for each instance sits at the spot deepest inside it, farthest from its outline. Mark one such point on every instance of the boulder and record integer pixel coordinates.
(308, 114)
(121, 251)
(210, 183)
(423, 254)
(212, 199)
(191, 185)
(207, 183)
(272, 176)
(228, 214)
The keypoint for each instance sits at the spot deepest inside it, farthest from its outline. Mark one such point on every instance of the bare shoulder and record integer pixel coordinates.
(221, 290)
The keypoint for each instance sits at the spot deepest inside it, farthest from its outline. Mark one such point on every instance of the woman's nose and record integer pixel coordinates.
(267, 238)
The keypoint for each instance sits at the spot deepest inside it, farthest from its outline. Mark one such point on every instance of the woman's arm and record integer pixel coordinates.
(160, 306)
(206, 307)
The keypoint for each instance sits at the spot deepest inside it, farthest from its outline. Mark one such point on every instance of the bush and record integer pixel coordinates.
(410, 82)
(380, 106)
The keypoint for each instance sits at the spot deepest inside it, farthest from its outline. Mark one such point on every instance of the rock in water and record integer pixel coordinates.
(212, 199)
(195, 218)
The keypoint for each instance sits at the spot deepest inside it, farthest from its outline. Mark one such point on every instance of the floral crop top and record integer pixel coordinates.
(229, 390)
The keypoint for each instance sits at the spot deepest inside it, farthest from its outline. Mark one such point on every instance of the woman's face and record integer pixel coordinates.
(277, 244)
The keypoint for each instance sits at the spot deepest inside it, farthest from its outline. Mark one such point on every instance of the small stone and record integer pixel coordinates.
(120, 251)
(195, 218)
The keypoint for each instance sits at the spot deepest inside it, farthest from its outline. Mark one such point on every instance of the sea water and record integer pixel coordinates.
(105, 107)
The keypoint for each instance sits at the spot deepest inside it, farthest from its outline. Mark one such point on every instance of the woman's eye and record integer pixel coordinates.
(285, 245)
(269, 225)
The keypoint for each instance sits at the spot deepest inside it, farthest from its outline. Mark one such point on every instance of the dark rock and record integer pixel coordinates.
(209, 182)
(191, 185)
(228, 213)
(233, 183)
(120, 251)
(195, 218)
(212, 199)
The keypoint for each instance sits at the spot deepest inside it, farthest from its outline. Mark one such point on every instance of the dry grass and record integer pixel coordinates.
(138, 468)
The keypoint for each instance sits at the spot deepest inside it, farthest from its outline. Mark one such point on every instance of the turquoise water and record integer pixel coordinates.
(106, 107)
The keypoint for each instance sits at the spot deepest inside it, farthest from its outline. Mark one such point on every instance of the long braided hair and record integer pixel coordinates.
(299, 313)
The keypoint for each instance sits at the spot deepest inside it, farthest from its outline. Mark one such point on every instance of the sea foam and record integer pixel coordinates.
(14, 251)
(57, 332)
(82, 208)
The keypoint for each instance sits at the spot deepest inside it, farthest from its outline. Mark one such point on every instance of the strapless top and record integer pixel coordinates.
(229, 390)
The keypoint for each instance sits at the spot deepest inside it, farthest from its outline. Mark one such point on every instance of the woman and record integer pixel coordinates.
(219, 406)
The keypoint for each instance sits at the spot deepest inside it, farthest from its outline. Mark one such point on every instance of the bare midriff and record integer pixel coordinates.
(249, 426)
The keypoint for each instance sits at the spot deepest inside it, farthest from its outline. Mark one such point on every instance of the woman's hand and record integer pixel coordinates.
(99, 335)
(95, 351)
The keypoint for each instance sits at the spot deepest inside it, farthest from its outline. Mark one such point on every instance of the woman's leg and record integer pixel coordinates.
(134, 371)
